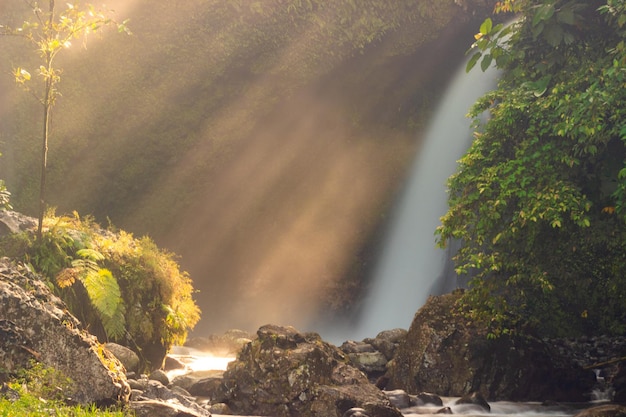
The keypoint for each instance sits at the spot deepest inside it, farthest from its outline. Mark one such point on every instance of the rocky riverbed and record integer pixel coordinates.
(279, 367)
(439, 365)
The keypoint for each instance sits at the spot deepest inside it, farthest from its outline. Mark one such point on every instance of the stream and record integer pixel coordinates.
(206, 364)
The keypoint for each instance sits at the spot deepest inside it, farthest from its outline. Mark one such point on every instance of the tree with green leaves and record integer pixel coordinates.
(49, 31)
(539, 199)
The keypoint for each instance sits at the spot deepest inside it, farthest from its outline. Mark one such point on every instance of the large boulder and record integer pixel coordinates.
(37, 326)
(285, 373)
(443, 353)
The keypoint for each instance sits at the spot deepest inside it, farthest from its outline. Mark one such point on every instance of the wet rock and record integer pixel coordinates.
(399, 398)
(424, 398)
(445, 410)
(152, 390)
(475, 398)
(154, 408)
(284, 372)
(607, 410)
(355, 412)
(443, 353)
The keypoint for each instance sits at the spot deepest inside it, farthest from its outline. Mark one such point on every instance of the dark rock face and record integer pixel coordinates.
(36, 325)
(619, 384)
(286, 373)
(443, 353)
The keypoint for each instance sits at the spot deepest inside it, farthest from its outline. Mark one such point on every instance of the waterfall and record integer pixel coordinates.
(411, 267)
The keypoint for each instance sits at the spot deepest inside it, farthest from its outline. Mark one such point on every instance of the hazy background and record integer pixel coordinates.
(262, 141)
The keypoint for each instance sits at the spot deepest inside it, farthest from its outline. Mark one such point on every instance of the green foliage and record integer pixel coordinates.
(49, 32)
(123, 289)
(179, 103)
(539, 199)
(41, 392)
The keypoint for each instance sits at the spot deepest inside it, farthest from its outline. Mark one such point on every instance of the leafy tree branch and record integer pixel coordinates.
(49, 32)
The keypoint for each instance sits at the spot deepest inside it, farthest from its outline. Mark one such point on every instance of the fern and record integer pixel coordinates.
(102, 289)
(105, 295)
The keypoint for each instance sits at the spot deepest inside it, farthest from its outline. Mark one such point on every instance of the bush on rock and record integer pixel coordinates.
(123, 289)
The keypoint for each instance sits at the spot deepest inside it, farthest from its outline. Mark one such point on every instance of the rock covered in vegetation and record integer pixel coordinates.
(124, 289)
(38, 327)
(284, 372)
(443, 353)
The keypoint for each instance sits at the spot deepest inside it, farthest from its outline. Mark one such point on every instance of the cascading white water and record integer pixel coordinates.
(411, 266)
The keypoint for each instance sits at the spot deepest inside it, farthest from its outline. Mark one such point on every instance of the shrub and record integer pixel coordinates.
(123, 289)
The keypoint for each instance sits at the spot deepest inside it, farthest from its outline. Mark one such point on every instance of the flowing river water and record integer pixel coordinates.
(208, 364)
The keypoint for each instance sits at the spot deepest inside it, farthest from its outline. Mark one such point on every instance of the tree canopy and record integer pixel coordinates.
(539, 199)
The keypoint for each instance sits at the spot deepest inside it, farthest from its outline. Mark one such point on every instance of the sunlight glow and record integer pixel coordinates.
(210, 363)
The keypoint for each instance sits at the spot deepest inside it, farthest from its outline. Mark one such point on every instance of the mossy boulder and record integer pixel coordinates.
(446, 354)
(284, 373)
(36, 327)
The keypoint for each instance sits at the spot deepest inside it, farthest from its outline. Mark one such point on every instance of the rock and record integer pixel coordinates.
(220, 408)
(424, 398)
(388, 341)
(355, 412)
(161, 376)
(226, 344)
(284, 372)
(129, 359)
(185, 381)
(607, 410)
(208, 387)
(171, 364)
(8, 393)
(398, 398)
(445, 410)
(350, 346)
(153, 408)
(475, 398)
(443, 353)
(154, 390)
(14, 222)
(369, 362)
(38, 326)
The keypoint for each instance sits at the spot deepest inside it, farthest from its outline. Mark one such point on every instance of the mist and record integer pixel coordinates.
(261, 147)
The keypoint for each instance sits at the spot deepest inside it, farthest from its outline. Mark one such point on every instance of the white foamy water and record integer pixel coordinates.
(411, 264)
